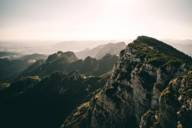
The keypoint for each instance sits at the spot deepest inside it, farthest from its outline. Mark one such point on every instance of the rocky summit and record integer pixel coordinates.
(150, 87)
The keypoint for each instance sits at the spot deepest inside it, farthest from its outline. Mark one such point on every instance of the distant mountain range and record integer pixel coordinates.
(78, 45)
(13, 64)
(101, 50)
(102, 59)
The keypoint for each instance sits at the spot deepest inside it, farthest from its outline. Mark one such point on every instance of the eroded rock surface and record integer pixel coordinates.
(149, 87)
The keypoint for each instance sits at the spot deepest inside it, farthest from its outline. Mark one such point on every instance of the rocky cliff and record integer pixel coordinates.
(150, 87)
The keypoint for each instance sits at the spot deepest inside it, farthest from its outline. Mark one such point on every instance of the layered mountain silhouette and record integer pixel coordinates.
(67, 62)
(13, 65)
(149, 85)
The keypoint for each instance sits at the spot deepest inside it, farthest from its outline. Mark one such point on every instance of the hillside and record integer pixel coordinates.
(5, 54)
(12, 67)
(34, 102)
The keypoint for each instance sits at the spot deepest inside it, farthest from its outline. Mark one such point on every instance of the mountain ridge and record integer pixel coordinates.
(67, 62)
(134, 89)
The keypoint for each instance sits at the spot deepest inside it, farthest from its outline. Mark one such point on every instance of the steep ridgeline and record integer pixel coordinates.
(149, 88)
(67, 62)
(38, 103)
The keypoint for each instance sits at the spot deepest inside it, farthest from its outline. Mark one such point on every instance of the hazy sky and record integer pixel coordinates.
(94, 19)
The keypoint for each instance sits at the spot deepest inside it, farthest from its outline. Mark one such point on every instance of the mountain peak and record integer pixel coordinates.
(132, 95)
(152, 48)
(155, 43)
(66, 56)
(145, 38)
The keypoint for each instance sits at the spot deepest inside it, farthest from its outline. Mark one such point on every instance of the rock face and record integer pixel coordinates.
(149, 87)
(178, 96)
(175, 106)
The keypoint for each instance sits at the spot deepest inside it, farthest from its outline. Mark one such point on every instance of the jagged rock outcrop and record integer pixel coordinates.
(65, 57)
(136, 94)
(175, 105)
